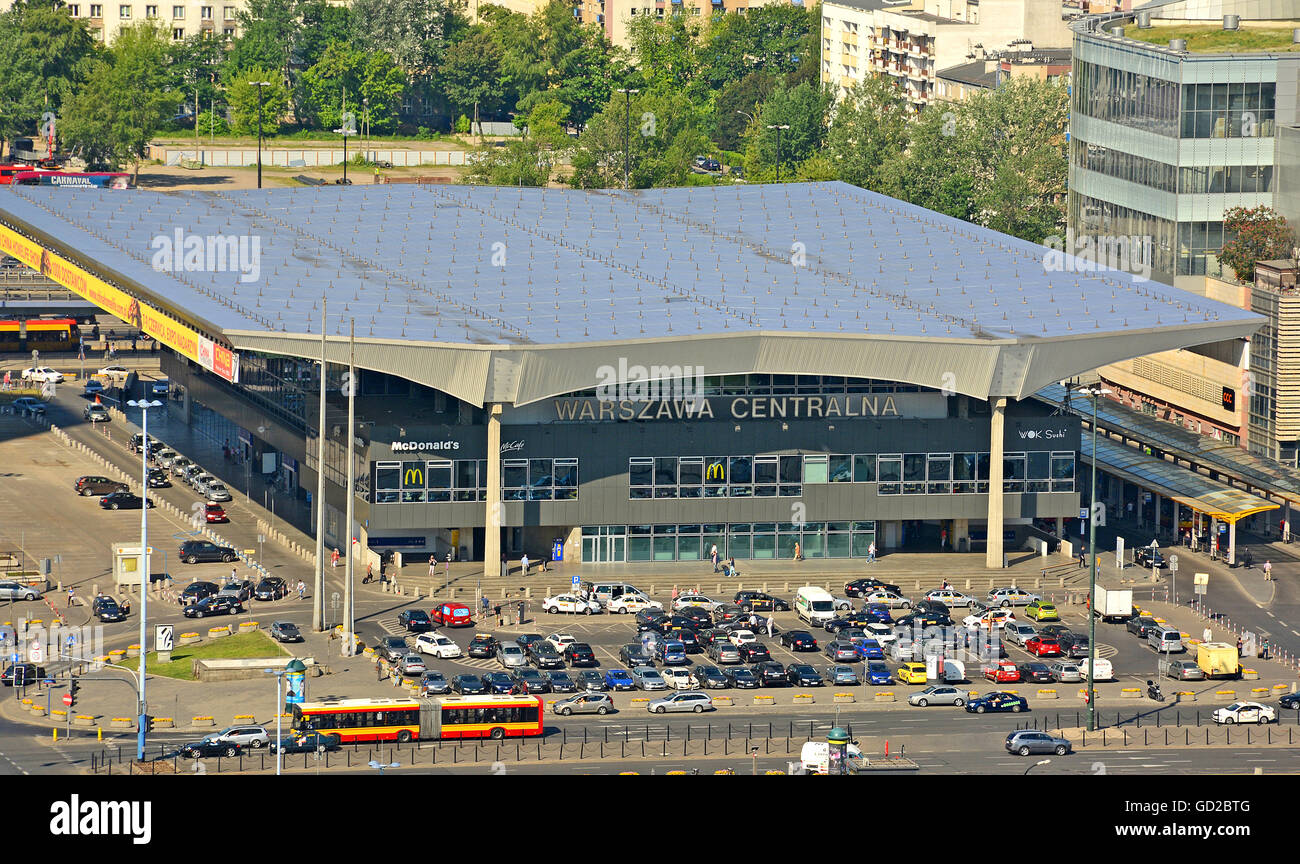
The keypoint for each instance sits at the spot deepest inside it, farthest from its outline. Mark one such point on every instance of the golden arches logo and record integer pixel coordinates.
(413, 477)
(715, 471)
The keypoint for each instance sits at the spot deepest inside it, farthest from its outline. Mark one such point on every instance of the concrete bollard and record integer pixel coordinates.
(1130, 693)
(1047, 694)
(845, 698)
(201, 722)
(887, 696)
(1225, 695)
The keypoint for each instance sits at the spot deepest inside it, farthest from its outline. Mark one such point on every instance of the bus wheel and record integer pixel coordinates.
(403, 736)
(498, 734)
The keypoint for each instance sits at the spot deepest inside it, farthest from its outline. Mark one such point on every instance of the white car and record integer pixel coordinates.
(1011, 596)
(632, 603)
(1245, 712)
(679, 678)
(888, 598)
(114, 372)
(742, 637)
(436, 645)
(571, 603)
(43, 375)
(694, 600)
(951, 598)
(560, 641)
(882, 633)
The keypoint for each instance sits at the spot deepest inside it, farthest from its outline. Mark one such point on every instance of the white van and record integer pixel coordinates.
(1105, 672)
(603, 592)
(814, 605)
(815, 756)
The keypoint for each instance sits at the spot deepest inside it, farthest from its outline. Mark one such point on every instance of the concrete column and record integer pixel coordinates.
(993, 555)
(1138, 512)
(1232, 544)
(960, 532)
(186, 406)
(1155, 500)
(1060, 527)
(495, 517)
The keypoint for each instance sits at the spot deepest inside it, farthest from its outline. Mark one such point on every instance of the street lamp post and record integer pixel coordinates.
(1095, 393)
(295, 666)
(144, 405)
(627, 134)
(259, 85)
(778, 127)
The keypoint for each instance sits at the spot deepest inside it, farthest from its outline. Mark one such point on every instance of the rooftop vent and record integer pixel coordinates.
(1117, 32)
(1144, 20)
(1231, 22)
(1177, 44)
(1295, 36)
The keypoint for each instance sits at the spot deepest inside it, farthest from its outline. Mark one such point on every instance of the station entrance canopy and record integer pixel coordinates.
(1192, 490)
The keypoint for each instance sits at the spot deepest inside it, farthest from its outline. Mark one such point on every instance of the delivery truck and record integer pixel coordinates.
(1114, 604)
(1217, 659)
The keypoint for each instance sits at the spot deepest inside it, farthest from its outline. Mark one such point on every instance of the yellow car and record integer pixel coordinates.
(911, 673)
(1041, 611)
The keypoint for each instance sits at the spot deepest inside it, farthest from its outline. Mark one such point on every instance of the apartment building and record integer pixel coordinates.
(958, 83)
(613, 17)
(183, 18)
(910, 42)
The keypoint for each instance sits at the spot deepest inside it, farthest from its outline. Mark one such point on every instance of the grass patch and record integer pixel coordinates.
(241, 646)
(1213, 39)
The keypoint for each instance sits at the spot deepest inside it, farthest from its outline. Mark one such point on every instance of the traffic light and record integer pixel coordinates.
(148, 723)
(72, 692)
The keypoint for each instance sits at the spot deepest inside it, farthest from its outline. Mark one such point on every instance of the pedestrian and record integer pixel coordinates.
(433, 566)
(713, 554)
(397, 676)
(1238, 646)
(496, 610)
(871, 552)
(731, 562)
(1268, 571)
(302, 590)
(674, 594)
(753, 621)
(379, 669)
(523, 563)
(125, 605)
(72, 595)
(1263, 650)
(943, 540)
(769, 623)
(232, 574)
(1082, 559)
(1249, 560)
(334, 558)
(485, 604)
(370, 574)
(1207, 635)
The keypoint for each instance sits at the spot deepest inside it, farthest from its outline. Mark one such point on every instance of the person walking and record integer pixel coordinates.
(334, 558)
(1238, 646)
(674, 594)
(769, 623)
(943, 540)
(523, 564)
(1268, 571)
(798, 556)
(485, 605)
(1263, 650)
(433, 566)
(370, 574)
(496, 610)
(72, 596)
(232, 574)
(713, 554)
(302, 590)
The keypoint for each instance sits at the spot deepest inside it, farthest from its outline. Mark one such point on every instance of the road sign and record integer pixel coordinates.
(36, 652)
(1201, 578)
(67, 699)
(1083, 512)
(1173, 563)
(577, 580)
(162, 637)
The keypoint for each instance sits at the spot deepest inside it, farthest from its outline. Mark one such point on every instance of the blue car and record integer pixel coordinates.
(997, 702)
(672, 653)
(619, 679)
(878, 612)
(498, 682)
(878, 673)
(869, 649)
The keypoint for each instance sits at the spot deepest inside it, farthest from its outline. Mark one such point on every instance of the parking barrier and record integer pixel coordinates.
(121, 723)
(1130, 693)
(203, 721)
(1225, 695)
(1047, 694)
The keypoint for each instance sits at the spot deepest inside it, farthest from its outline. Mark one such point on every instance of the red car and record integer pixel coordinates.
(1001, 672)
(214, 513)
(451, 615)
(1043, 646)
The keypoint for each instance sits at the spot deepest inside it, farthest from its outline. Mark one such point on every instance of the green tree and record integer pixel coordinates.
(471, 74)
(803, 109)
(745, 95)
(345, 74)
(868, 128)
(195, 65)
(417, 33)
(666, 54)
(934, 172)
(45, 54)
(1259, 234)
(242, 98)
(125, 100)
(529, 160)
(663, 136)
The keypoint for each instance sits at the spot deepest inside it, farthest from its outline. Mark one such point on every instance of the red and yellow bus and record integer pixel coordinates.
(449, 717)
(44, 334)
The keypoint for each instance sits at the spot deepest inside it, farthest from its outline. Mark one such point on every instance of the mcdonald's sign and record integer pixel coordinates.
(715, 471)
(413, 478)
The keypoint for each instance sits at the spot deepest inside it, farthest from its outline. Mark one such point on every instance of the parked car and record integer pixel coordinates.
(583, 703)
(307, 742)
(679, 678)
(1018, 633)
(580, 654)
(840, 674)
(544, 655)
(124, 501)
(1030, 741)
(688, 701)
(467, 684)
(510, 655)
(271, 588)
(671, 653)
(997, 702)
(632, 603)
(414, 620)
(951, 598)
(10, 590)
(1035, 673)
(240, 589)
(759, 601)
(285, 631)
(1011, 596)
(939, 694)
(754, 652)
(497, 682)
(1181, 670)
(1040, 611)
(196, 591)
(842, 649)
(1043, 646)
(93, 484)
(560, 681)
(195, 551)
(798, 640)
(217, 492)
(741, 677)
(1065, 673)
(392, 648)
(452, 614)
(865, 586)
(709, 677)
(158, 479)
(571, 603)
(770, 673)
(633, 655)
(529, 680)
(614, 679)
(803, 675)
(434, 683)
(27, 405)
(217, 604)
(1245, 712)
(436, 645)
(647, 678)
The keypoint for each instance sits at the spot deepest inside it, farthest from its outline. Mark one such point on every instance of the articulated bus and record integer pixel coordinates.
(449, 717)
(43, 334)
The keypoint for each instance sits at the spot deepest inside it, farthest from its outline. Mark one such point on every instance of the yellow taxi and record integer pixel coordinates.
(911, 673)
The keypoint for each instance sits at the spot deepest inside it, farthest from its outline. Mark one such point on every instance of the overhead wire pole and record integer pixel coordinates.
(1094, 392)
(318, 598)
(627, 134)
(349, 570)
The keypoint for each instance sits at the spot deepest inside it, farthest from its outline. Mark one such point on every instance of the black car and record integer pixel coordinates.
(498, 682)
(803, 675)
(648, 619)
(799, 640)
(1290, 700)
(590, 679)
(863, 587)
(271, 588)
(740, 677)
(285, 631)
(528, 640)
(468, 685)
(668, 624)
(158, 479)
(22, 673)
(217, 604)
(713, 634)
(195, 551)
(759, 601)
(752, 621)
(529, 680)
(697, 615)
(690, 641)
(1035, 673)
(1145, 555)
(482, 645)
(210, 747)
(709, 677)
(1074, 645)
(307, 742)
(923, 619)
(196, 591)
(106, 609)
(137, 439)
(122, 501)
(853, 619)
(727, 612)
(580, 654)
(544, 655)
(754, 652)
(633, 655)
(414, 620)
(561, 682)
(1140, 625)
(434, 683)
(769, 674)
(931, 607)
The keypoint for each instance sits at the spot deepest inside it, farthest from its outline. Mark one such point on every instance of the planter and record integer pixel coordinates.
(218, 632)
(804, 699)
(121, 722)
(1249, 675)
(83, 720)
(248, 626)
(133, 650)
(1225, 696)
(882, 697)
(38, 710)
(845, 698)
(1185, 696)
(164, 723)
(764, 700)
(1130, 693)
(200, 721)
(723, 701)
(1047, 694)
(188, 638)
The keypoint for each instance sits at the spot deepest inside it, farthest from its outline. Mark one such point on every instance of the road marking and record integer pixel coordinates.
(1296, 632)
(12, 762)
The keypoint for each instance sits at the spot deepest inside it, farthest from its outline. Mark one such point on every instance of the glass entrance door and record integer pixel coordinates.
(604, 544)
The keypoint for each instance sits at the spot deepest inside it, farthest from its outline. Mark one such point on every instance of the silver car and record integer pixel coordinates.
(254, 737)
(1066, 673)
(217, 492)
(18, 591)
(939, 694)
(1181, 670)
(647, 678)
(510, 655)
(842, 675)
(584, 703)
(690, 700)
(1017, 633)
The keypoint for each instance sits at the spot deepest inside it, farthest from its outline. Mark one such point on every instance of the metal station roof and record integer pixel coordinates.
(1193, 490)
(514, 295)
(1171, 438)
